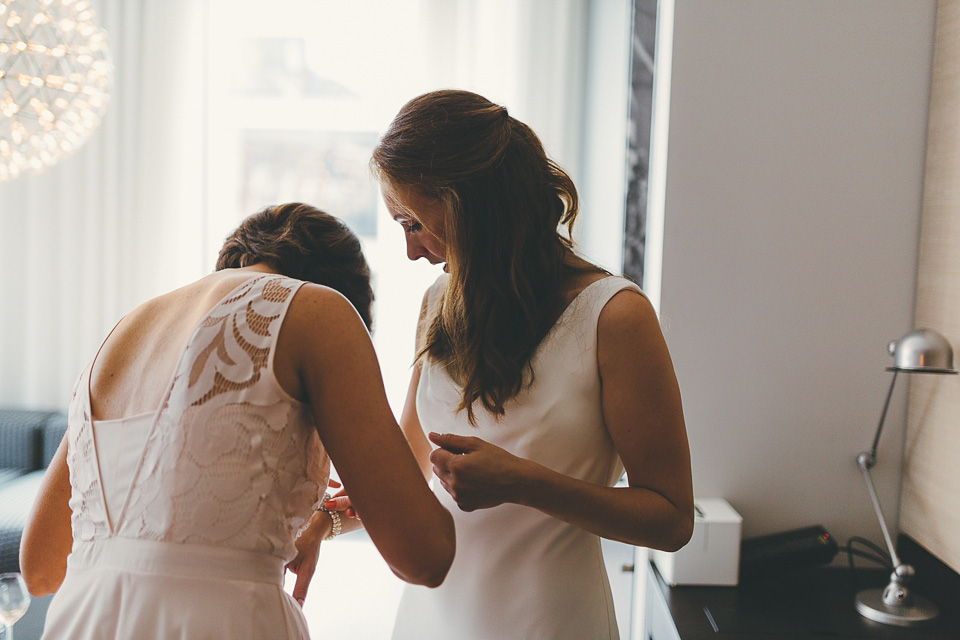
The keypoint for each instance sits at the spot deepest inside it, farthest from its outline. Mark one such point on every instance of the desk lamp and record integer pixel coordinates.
(920, 351)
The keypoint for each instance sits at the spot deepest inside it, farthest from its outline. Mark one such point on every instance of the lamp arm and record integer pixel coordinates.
(866, 460)
(883, 416)
(861, 461)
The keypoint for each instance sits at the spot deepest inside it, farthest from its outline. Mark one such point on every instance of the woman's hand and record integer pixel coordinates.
(341, 502)
(308, 552)
(476, 474)
(308, 549)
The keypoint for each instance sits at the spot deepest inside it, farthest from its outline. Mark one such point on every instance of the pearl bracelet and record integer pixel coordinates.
(334, 516)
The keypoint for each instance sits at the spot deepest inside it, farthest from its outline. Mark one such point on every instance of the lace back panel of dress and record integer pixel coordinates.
(231, 460)
(88, 517)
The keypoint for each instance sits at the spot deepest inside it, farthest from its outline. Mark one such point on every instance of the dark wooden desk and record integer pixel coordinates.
(814, 604)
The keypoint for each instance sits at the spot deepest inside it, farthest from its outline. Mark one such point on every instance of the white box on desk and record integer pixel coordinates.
(712, 557)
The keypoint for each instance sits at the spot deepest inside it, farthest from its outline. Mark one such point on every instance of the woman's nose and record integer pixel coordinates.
(415, 249)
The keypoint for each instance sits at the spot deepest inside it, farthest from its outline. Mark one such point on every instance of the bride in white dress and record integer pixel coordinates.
(199, 446)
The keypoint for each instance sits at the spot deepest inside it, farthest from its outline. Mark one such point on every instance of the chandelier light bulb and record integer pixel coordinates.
(55, 75)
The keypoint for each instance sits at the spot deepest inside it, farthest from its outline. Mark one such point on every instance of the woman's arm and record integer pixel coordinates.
(308, 545)
(331, 350)
(47, 536)
(644, 416)
(409, 420)
(410, 425)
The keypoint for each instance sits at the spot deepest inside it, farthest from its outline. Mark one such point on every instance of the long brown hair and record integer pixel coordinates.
(305, 243)
(505, 203)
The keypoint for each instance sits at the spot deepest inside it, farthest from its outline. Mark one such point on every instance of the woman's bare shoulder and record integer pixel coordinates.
(320, 328)
(318, 305)
(627, 311)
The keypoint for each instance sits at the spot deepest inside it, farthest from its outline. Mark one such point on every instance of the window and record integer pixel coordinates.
(298, 92)
(298, 96)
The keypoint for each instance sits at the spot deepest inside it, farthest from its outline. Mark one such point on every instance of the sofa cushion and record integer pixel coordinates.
(53, 432)
(16, 500)
(21, 438)
(9, 474)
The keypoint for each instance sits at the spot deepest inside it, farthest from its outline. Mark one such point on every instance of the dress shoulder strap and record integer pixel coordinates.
(233, 347)
(597, 294)
(430, 308)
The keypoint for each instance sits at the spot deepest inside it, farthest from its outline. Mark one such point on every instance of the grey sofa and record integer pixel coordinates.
(28, 440)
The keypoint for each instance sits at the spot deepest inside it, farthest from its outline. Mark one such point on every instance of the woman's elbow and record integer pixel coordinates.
(40, 589)
(43, 568)
(429, 565)
(431, 577)
(40, 581)
(680, 531)
(433, 572)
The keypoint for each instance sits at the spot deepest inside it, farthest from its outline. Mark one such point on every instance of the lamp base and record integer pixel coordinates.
(916, 612)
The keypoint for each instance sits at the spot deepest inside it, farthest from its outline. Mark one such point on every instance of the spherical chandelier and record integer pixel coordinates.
(54, 78)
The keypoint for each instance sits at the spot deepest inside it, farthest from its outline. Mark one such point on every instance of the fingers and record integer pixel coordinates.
(338, 503)
(304, 576)
(462, 501)
(441, 458)
(454, 443)
(442, 461)
(333, 483)
(341, 502)
(445, 485)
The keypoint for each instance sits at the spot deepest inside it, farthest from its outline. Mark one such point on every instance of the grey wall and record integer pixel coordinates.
(791, 219)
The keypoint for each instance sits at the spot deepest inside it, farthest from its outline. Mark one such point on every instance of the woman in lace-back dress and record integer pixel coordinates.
(199, 446)
(541, 378)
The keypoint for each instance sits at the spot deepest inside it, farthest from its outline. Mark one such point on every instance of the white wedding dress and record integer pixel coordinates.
(520, 574)
(184, 518)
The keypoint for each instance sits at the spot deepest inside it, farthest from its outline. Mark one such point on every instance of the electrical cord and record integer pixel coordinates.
(875, 554)
(864, 554)
(867, 543)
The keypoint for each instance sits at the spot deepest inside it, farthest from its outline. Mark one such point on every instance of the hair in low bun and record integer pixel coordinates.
(303, 242)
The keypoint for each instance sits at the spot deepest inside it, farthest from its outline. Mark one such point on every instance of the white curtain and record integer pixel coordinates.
(126, 217)
(117, 222)
(561, 66)
(526, 54)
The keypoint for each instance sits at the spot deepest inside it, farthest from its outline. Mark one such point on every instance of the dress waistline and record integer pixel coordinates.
(175, 559)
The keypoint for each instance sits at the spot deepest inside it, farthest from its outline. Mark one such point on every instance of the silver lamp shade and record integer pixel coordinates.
(922, 351)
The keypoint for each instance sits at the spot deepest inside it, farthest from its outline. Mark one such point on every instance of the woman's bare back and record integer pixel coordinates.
(136, 361)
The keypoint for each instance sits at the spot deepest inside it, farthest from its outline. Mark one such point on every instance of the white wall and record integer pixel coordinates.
(791, 216)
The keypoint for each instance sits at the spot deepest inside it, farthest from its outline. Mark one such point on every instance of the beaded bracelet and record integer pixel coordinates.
(334, 516)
